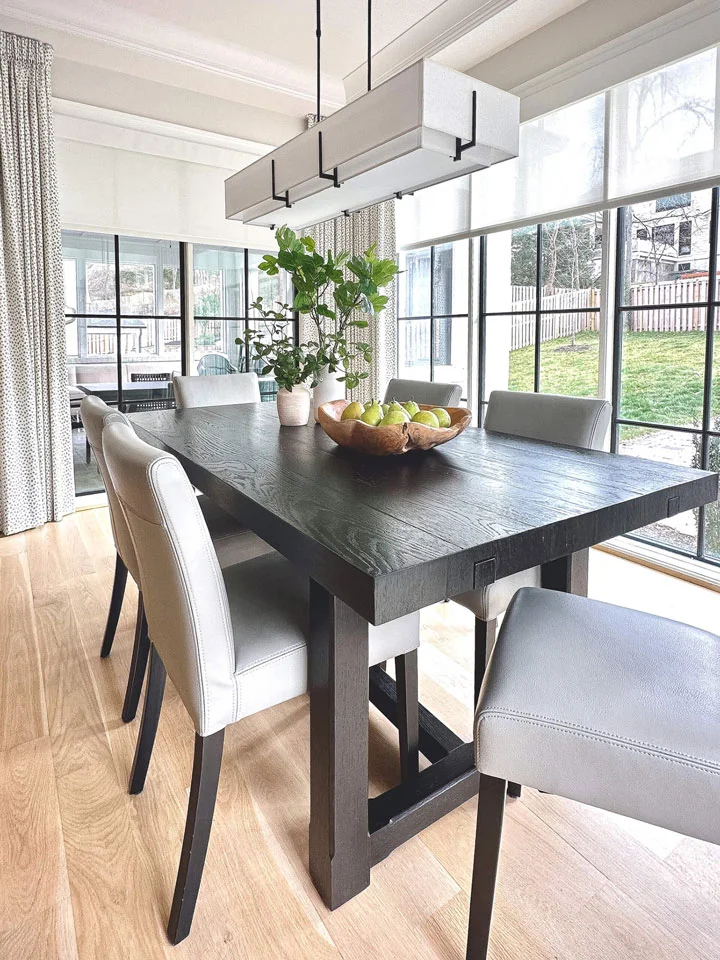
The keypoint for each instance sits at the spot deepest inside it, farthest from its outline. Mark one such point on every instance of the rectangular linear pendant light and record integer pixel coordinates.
(425, 125)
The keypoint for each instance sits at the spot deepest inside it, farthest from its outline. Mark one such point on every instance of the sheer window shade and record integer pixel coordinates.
(661, 133)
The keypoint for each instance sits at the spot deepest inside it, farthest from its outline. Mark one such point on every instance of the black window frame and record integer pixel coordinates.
(705, 432)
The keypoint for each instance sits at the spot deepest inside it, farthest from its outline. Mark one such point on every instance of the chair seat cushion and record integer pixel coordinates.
(269, 610)
(233, 542)
(608, 706)
(489, 602)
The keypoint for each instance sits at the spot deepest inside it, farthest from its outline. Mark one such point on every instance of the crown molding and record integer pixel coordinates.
(688, 29)
(447, 23)
(180, 46)
(123, 131)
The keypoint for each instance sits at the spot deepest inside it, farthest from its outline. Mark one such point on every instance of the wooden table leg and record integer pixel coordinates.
(338, 681)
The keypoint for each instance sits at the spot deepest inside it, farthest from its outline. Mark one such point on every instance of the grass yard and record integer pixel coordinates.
(662, 374)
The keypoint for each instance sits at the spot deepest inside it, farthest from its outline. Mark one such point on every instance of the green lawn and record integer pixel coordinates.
(662, 374)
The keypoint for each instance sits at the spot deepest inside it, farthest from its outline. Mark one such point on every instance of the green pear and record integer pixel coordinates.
(372, 415)
(396, 405)
(411, 407)
(442, 415)
(392, 417)
(427, 417)
(353, 411)
(385, 407)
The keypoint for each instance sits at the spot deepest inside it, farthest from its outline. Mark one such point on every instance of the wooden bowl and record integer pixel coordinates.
(388, 441)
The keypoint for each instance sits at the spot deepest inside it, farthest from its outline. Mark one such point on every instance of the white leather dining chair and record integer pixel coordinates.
(231, 541)
(580, 422)
(216, 390)
(232, 640)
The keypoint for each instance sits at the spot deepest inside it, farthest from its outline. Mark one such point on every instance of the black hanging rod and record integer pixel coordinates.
(321, 173)
(285, 197)
(461, 147)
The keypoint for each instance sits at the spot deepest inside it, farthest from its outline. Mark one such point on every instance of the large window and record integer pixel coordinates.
(667, 375)
(433, 314)
(125, 311)
(226, 282)
(541, 307)
(123, 323)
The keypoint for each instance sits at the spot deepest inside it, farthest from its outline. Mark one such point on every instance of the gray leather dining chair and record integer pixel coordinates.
(232, 543)
(216, 390)
(421, 391)
(232, 640)
(595, 703)
(572, 421)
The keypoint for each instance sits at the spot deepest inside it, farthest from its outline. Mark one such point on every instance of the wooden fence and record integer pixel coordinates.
(673, 319)
(552, 325)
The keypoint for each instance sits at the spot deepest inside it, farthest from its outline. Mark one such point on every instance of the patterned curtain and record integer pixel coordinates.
(36, 471)
(356, 233)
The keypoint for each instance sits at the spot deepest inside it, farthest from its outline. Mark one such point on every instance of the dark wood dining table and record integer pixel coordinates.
(382, 537)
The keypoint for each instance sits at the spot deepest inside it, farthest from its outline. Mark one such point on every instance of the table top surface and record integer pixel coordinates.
(390, 535)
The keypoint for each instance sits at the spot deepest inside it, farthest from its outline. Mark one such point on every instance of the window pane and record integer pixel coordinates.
(214, 348)
(712, 511)
(450, 278)
(662, 369)
(218, 281)
(414, 284)
(414, 349)
(668, 447)
(667, 244)
(570, 354)
(89, 271)
(521, 343)
(511, 270)
(149, 278)
(275, 291)
(450, 351)
(571, 255)
(664, 127)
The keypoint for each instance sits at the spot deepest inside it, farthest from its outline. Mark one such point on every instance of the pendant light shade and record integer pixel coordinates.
(425, 125)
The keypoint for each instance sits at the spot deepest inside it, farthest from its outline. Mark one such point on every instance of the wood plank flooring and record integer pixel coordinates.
(88, 872)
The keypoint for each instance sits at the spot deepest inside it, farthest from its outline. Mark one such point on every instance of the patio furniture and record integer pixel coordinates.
(214, 364)
(149, 377)
(607, 706)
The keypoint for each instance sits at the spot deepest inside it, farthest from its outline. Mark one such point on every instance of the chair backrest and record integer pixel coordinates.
(95, 414)
(436, 394)
(214, 363)
(575, 421)
(183, 589)
(216, 391)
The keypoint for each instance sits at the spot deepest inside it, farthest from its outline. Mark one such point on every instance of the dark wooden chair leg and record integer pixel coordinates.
(491, 809)
(406, 669)
(201, 806)
(485, 635)
(141, 649)
(148, 727)
(116, 600)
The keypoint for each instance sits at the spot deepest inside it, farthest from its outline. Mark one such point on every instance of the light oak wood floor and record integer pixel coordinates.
(87, 871)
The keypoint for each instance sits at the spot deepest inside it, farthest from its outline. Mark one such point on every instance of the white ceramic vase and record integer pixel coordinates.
(293, 406)
(328, 389)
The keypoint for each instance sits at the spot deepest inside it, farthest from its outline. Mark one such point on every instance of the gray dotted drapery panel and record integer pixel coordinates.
(36, 474)
(357, 233)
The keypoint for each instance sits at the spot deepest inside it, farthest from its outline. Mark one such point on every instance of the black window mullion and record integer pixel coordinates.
(482, 321)
(618, 325)
(246, 304)
(184, 361)
(432, 314)
(538, 304)
(118, 322)
(709, 357)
